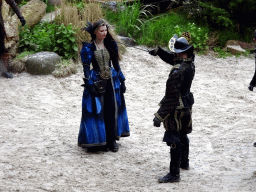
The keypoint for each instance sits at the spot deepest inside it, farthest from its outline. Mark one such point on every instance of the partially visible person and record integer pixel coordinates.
(176, 106)
(104, 115)
(4, 56)
(253, 81)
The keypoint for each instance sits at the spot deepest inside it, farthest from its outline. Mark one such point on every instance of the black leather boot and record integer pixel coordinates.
(7, 75)
(174, 174)
(254, 144)
(172, 177)
(113, 146)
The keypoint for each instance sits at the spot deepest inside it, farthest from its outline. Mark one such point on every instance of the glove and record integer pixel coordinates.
(153, 52)
(250, 88)
(123, 87)
(157, 122)
(23, 21)
(93, 90)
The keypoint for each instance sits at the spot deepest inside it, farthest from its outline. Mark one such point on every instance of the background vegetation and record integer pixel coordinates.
(210, 22)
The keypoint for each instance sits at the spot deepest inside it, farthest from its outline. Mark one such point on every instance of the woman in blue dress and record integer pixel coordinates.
(104, 116)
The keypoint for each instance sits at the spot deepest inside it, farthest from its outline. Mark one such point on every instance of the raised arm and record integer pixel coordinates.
(166, 56)
(16, 10)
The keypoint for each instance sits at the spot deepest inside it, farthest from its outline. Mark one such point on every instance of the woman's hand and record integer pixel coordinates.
(123, 87)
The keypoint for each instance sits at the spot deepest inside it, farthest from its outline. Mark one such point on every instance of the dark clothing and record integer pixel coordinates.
(176, 109)
(253, 81)
(104, 116)
(176, 106)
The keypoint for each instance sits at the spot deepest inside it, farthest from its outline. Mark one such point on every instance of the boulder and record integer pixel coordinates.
(234, 47)
(112, 5)
(17, 66)
(49, 17)
(33, 12)
(11, 28)
(42, 63)
(127, 41)
(55, 2)
(65, 68)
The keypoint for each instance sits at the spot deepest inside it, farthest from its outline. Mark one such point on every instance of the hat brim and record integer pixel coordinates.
(182, 50)
(173, 49)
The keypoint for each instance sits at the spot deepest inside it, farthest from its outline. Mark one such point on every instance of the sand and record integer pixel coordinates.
(40, 119)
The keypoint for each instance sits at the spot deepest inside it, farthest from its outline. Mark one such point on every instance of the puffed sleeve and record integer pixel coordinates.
(86, 57)
(115, 63)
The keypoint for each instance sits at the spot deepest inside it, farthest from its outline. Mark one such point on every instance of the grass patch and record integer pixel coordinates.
(23, 54)
(136, 22)
(65, 68)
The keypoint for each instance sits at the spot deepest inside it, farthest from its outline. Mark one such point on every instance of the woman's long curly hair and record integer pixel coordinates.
(110, 40)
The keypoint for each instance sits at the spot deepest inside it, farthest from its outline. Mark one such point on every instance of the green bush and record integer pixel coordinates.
(129, 18)
(49, 37)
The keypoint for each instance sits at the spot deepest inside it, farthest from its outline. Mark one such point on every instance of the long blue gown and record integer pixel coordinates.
(104, 117)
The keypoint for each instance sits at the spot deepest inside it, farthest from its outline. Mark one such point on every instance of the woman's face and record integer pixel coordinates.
(101, 33)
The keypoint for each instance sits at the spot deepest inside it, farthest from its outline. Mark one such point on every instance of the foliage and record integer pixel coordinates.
(157, 30)
(208, 13)
(235, 14)
(49, 37)
(24, 54)
(65, 41)
(221, 53)
(79, 3)
(70, 14)
(129, 18)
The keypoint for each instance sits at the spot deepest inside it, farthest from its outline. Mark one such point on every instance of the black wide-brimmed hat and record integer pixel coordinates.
(178, 45)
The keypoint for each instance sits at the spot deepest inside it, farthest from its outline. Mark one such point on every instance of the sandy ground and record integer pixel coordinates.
(40, 118)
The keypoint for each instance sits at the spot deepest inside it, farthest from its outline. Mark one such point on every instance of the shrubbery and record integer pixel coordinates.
(49, 37)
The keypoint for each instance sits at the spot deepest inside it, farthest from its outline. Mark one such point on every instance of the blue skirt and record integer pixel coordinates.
(95, 110)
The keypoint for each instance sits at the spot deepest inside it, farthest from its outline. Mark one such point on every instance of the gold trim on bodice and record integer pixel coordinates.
(102, 57)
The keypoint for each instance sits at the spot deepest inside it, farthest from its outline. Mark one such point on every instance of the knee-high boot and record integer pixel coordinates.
(185, 152)
(174, 174)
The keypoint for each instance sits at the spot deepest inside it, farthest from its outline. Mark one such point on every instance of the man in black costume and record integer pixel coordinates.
(4, 56)
(176, 106)
(253, 81)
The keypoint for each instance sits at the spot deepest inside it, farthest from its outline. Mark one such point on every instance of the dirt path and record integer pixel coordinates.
(40, 118)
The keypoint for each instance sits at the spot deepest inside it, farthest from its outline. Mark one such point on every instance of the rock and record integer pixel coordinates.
(55, 2)
(33, 12)
(127, 41)
(65, 68)
(234, 47)
(49, 17)
(17, 66)
(11, 24)
(112, 5)
(42, 63)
